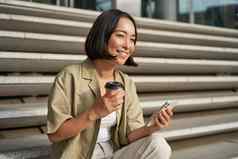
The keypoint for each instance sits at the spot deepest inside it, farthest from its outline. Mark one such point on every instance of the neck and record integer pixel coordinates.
(104, 69)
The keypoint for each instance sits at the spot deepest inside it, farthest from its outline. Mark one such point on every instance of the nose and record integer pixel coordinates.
(127, 43)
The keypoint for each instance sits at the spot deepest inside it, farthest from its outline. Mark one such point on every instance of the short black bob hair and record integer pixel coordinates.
(100, 33)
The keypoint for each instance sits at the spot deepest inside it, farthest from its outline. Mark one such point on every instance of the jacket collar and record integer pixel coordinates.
(88, 70)
(89, 73)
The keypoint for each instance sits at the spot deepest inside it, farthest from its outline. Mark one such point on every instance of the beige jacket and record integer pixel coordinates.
(74, 91)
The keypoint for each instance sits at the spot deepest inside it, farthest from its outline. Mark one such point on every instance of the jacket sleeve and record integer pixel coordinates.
(59, 103)
(134, 115)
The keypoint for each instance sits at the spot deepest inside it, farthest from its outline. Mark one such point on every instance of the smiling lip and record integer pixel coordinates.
(122, 52)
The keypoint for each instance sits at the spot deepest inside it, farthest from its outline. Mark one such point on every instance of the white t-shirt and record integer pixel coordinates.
(107, 123)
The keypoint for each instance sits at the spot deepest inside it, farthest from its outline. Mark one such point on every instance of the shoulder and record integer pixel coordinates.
(70, 70)
(67, 74)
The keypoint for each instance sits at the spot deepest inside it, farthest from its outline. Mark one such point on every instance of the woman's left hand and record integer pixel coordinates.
(162, 118)
(159, 120)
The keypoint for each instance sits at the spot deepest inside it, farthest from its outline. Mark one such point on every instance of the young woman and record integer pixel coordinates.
(84, 120)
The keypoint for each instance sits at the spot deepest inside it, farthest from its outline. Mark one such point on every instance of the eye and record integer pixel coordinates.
(120, 35)
(133, 40)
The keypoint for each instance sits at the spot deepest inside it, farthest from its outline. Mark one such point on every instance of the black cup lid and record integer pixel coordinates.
(113, 85)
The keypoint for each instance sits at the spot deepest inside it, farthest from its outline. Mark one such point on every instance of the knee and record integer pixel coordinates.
(160, 145)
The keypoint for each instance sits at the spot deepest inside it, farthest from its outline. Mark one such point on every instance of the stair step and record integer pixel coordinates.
(36, 62)
(40, 85)
(200, 131)
(22, 115)
(194, 124)
(165, 66)
(21, 41)
(25, 85)
(184, 83)
(151, 49)
(186, 38)
(20, 133)
(222, 146)
(25, 147)
(189, 102)
(43, 25)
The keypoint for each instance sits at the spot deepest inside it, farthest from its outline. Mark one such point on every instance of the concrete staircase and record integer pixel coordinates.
(194, 67)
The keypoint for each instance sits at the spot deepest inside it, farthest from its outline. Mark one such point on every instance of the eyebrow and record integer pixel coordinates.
(119, 30)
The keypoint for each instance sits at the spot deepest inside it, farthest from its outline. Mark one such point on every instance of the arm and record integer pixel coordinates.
(74, 126)
(139, 133)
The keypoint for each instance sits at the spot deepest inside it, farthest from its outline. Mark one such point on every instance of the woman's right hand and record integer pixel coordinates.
(108, 103)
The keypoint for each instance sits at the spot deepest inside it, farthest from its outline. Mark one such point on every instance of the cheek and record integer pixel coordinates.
(132, 50)
(113, 43)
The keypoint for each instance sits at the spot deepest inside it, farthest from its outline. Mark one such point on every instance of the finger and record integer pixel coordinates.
(117, 107)
(157, 122)
(119, 96)
(109, 94)
(114, 92)
(165, 115)
(169, 110)
(162, 119)
(119, 99)
(117, 102)
(120, 91)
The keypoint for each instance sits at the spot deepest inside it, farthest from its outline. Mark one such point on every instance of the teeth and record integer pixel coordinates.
(120, 50)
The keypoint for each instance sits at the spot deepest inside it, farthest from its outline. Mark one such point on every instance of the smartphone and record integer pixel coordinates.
(165, 105)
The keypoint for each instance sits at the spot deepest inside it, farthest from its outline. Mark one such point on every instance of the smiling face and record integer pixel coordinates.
(122, 41)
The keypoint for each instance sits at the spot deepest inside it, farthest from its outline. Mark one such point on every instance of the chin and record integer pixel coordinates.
(120, 62)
